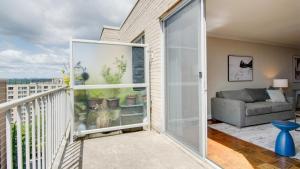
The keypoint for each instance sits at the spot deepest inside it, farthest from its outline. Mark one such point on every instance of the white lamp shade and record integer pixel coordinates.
(280, 83)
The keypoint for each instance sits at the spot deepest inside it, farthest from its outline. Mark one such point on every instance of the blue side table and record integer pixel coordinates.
(284, 142)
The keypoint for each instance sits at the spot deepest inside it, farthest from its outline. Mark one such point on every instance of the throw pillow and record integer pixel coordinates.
(276, 96)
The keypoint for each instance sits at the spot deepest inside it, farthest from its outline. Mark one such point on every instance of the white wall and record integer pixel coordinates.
(268, 62)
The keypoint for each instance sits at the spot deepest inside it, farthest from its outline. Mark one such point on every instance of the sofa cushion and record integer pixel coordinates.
(241, 95)
(258, 94)
(258, 108)
(281, 106)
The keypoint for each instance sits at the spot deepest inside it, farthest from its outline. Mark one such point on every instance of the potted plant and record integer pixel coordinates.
(81, 75)
(114, 78)
(131, 99)
(105, 116)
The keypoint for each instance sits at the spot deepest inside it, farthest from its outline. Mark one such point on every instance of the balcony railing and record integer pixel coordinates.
(37, 128)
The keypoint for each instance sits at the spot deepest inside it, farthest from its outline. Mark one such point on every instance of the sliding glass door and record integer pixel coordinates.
(183, 75)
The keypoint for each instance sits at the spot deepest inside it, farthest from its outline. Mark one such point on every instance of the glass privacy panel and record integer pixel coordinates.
(182, 33)
(102, 108)
(95, 63)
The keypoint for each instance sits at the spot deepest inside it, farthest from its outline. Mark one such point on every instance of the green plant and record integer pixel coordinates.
(95, 94)
(105, 115)
(111, 77)
(80, 108)
(91, 118)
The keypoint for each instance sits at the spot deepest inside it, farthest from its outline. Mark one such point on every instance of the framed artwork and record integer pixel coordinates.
(240, 68)
(296, 67)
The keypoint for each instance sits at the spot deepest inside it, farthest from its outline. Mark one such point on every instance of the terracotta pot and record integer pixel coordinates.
(113, 103)
(131, 100)
(92, 103)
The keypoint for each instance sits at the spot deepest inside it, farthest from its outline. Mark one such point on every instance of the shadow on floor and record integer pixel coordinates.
(72, 157)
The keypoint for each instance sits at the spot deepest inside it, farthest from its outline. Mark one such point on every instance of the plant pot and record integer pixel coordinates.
(92, 103)
(131, 100)
(113, 103)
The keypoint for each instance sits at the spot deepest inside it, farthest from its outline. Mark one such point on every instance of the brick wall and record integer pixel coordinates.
(2, 127)
(145, 17)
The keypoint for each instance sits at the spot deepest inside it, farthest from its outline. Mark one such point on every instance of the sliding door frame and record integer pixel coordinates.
(202, 81)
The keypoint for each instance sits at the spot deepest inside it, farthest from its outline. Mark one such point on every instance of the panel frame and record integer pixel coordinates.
(145, 85)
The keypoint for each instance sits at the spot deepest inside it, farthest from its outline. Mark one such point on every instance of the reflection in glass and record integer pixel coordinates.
(102, 108)
(107, 64)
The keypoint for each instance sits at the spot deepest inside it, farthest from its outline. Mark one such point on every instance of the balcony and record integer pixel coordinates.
(88, 125)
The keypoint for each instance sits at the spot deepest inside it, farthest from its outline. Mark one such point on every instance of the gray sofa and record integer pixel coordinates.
(248, 107)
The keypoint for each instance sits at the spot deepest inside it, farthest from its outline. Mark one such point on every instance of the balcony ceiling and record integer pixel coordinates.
(265, 21)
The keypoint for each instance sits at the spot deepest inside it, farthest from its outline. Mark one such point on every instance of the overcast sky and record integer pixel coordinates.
(35, 34)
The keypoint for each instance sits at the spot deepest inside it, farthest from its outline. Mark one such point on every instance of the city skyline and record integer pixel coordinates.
(34, 41)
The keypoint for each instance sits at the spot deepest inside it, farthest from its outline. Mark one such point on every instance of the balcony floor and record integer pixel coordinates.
(147, 150)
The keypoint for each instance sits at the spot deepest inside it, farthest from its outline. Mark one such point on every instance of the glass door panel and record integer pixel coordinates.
(182, 43)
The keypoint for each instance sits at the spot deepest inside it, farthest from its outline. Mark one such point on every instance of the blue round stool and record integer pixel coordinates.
(284, 142)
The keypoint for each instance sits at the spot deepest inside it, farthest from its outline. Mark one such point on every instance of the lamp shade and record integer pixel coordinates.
(280, 83)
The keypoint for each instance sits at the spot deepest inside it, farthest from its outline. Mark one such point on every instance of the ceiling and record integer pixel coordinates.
(266, 21)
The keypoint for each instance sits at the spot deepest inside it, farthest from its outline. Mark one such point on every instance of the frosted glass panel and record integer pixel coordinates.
(96, 63)
(182, 31)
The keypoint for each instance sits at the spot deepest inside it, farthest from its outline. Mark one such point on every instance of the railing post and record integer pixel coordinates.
(9, 163)
(38, 115)
(19, 138)
(43, 114)
(33, 125)
(27, 111)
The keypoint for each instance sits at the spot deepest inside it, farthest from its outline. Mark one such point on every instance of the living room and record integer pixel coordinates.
(251, 47)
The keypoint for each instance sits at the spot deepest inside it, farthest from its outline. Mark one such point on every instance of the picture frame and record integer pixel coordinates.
(240, 68)
(296, 69)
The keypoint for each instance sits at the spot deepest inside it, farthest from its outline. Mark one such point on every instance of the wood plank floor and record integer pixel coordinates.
(233, 153)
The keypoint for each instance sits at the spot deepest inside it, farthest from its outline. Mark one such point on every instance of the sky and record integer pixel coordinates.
(35, 34)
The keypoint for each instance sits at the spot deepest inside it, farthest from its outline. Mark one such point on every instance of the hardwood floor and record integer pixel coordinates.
(233, 153)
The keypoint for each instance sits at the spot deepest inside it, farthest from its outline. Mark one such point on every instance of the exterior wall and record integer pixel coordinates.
(2, 126)
(109, 34)
(269, 62)
(145, 18)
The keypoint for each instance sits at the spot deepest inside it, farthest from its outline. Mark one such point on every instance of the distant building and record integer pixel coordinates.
(2, 126)
(20, 88)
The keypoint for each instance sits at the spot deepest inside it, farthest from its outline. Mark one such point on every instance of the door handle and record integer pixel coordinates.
(200, 75)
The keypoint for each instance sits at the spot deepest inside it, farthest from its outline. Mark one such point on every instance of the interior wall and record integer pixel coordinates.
(269, 62)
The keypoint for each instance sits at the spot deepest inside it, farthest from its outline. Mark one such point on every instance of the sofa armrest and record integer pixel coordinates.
(229, 111)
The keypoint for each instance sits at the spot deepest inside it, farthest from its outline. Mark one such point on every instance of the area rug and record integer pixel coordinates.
(261, 135)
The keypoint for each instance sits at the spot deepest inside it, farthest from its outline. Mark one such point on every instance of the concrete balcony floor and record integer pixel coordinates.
(138, 150)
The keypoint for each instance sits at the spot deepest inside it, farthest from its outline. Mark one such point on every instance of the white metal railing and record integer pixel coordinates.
(44, 120)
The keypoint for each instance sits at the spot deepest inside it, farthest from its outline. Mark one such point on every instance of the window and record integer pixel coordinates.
(10, 97)
(32, 87)
(45, 87)
(138, 67)
(10, 88)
